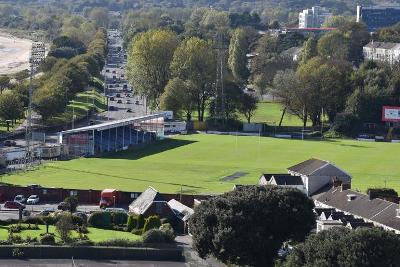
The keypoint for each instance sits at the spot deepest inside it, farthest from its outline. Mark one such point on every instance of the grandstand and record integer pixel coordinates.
(113, 136)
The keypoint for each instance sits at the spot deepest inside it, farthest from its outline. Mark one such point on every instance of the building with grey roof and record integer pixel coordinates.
(380, 212)
(382, 52)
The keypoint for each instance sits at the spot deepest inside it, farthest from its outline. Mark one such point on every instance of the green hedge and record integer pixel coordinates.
(100, 219)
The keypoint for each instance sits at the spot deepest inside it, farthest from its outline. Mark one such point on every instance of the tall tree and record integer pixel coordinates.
(149, 60)
(309, 49)
(179, 96)
(334, 45)
(237, 60)
(223, 225)
(11, 107)
(4, 82)
(248, 105)
(194, 61)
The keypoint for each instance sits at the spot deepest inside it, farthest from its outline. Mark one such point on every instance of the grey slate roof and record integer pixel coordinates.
(287, 180)
(383, 45)
(376, 210)
(309, 166)
(144, 201)
(267, 176)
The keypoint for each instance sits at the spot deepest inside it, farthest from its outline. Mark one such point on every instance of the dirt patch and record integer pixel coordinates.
(234, 176)
(14, 53)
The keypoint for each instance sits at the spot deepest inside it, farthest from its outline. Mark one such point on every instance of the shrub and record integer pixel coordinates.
(82, 243)
(119, 218)
(120, 242)
(152, 222)
(15, 239)
(156, 236)
(64, 227)
(132, 222)
(5, 242)
(332, 134)
(167, 228)
(100, 219)
(140, 221)
(34, 220)
(77, 220)
(137, 231)
(14, 229)
(30, 239)
(47, 239)
(82, 216)
(72, 202)
(82, 229)
(347, 124)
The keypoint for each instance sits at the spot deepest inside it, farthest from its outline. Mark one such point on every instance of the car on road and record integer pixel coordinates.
(46, 211)
(129, 110)
(137, 102)
(119, 101)
(14, 205)
(111, 108)
(128, 101)
(9, 143)
(33, 199)
(112, 99)
(20, 198)
(118, 95)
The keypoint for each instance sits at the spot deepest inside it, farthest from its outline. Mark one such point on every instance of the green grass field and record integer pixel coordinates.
(94, 234)
(200, 162)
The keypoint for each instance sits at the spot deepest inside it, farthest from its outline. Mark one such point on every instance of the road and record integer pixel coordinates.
(121, 100)
(86, 263)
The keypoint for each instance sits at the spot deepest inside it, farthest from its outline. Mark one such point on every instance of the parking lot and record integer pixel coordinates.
(122, 103)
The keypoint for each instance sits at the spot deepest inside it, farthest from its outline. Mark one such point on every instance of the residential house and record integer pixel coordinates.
(382, 52)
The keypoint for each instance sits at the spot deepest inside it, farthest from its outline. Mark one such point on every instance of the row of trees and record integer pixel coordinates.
(181, 75)
(64, 78)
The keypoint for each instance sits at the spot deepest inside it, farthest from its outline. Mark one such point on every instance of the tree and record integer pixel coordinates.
(339, 246)
(149, 63)
(293, 96)
(11, 107)
(99, 16)
(334, 45)
(64, 226)
(72, 203)
(194, 61)
(179, 96)
(248, 105)
(223, 225)
(21, 75)
(4, 82)
(309, 49)
(237, 60)
(232, 97)
(48, 220)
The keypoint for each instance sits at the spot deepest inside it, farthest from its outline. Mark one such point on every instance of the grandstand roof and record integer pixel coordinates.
(113, 124)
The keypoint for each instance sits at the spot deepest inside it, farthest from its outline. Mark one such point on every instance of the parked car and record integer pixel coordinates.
(118, 95)
(116, 210)
(129, 110)
(14, 205)
(137, 102)
(63, 206)
(111, 98)
(20, 198)
(111, 108)
(9, 143)
(119, 101)
(33, 199)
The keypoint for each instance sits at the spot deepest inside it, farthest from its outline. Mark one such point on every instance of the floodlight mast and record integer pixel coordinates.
(37, 56)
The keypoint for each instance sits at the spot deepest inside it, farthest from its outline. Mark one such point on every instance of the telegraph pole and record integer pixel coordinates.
(38, 52)
(220, 46)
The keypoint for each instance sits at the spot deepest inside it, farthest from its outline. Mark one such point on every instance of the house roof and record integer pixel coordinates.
(382, 45)
(287, 180)
(267, 176)
(319, 167)
(375, 210)
(144, 201)
(181, 211)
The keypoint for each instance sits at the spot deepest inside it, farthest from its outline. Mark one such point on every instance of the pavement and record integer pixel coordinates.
(86, 263)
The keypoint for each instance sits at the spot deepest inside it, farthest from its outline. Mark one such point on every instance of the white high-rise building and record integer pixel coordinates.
(314, 17)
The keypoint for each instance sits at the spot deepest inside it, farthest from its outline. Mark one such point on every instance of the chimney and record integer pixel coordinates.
(344, 186)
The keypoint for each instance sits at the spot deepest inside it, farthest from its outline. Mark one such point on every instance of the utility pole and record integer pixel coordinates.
(220, 46)
(37, 56)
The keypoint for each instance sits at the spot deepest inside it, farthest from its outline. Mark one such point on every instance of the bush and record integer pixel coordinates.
(34, 220)
(169, 231)
(132, 223)
(30, 239)
(332, 134)
(156, 236)
(14, 229)
(100, 219)
(47, 239)
(347, 124)
(152, 222)
(72, 202)
(77, 220)
(137, 231)
(64, 226)
(140, 221)
(15, 239)
(120, 242)
(82, 243)
(119, 218)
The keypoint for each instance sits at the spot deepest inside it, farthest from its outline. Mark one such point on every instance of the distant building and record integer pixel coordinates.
(382, 52)
(314, 17)
(378, 16)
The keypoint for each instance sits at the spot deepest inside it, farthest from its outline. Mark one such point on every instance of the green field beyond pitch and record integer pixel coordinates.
(202, 163)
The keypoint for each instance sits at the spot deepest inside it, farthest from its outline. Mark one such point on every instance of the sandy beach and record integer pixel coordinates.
(14, 53)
